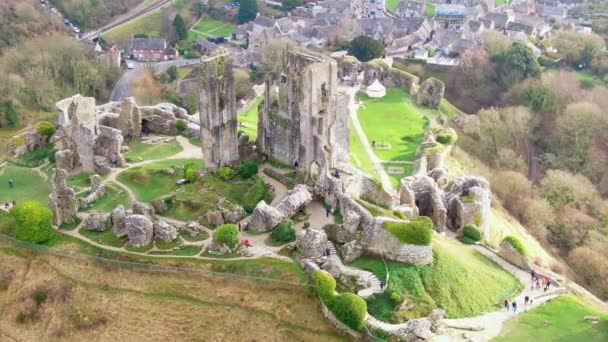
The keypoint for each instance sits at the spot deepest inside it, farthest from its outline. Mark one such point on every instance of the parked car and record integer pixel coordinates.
(75, 29)
(130, 65)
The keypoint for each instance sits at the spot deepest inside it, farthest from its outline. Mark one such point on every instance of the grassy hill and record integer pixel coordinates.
(461, 281)
(561, 319)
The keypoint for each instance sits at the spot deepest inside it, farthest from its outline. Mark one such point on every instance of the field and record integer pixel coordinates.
(561, 319)
(460, 280)
(430, 10)
(141, 151)
(28, 185)
(90, 300)
(392, 4)
(395, 120)
(148, 182)
(358, 156)
(211, 28)
(248, 119)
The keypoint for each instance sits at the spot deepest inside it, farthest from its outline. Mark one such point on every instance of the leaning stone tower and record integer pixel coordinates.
(218, 110)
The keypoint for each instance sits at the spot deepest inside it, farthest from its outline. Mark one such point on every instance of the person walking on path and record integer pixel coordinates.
(246, 243)
(10, 183)
(327, 211)
(532, 274)
(327, 252)
(507, 305)
(548, 284)
(381, 286)
(537, 283)
(514, 306)
(526, 299)
(296, 166)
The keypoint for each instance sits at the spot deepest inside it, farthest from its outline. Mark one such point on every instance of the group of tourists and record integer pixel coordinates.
(538, 281)
(8, 205)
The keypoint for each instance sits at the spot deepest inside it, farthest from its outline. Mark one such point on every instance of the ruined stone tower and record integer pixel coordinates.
(302, 117)
(218, 110)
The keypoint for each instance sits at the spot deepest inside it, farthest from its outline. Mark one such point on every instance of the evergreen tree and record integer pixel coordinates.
(180, 27)
(248, 9)
(366, 48)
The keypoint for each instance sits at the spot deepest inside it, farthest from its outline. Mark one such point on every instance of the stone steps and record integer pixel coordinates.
(368, 277)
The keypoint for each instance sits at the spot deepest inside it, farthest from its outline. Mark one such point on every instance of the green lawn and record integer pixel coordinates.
(358, 155)
(28, 185)
(80, 180)
(148, 182)
(211, 28)
(460, 280)
(114, 196)
(149, 24)
(396, 177)
(565, 322)
(392, 4)
(396, 120)
(141, 151)
(501, 2)
(106, 237)
(248, 119)
(430, 10)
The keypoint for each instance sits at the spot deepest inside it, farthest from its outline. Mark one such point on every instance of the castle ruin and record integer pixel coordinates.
(218, 110)
(303, 118)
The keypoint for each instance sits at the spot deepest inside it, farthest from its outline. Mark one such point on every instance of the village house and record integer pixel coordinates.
(150, 49)
(204, 46)
(452, 16)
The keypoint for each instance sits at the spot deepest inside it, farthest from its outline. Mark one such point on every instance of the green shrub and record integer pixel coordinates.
(470, 231)
(400, 214)
(190, 172)
(21, 317)
(516, 243)
(225, 173)
(227, 234)
(39, 296)
(326, 285)
(248, 169)
(419, 231)
(350, 309)
(45, 128)
(547, 62)
(254, 195)
(284, 232)
(180, 125)
(447, 138)
(396, 297)
(33, 222)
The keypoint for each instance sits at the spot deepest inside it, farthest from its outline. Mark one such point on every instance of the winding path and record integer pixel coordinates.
(378, 164)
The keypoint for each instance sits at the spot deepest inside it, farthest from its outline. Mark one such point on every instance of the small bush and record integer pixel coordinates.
(547, 62)
(33, 222)
(248, 169)
(180, 125)
(471, 231)
(39, 296)
(326, 285)
(516, 243)
(227, 234)
(396, 297)
(350, 309)
(254, 195)
(45, 128)
(446, 138)
(284, 232)
(190, 172)
(21, 317)
(225, 173)
(416, 232)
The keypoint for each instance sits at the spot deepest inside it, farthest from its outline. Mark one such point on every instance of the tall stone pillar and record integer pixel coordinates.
(218, 110)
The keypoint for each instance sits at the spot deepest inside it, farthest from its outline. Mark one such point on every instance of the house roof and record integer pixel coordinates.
(410, 6)
(520, 27)
(552, 11)
(474, 25)
(452, 10)
(499, 19)
(263, 21)
(205, 44)
(147, 44)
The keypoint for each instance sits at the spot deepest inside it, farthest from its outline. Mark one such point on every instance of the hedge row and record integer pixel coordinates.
(349, 308)
(419, 231)
(471, 232)
(516, 243)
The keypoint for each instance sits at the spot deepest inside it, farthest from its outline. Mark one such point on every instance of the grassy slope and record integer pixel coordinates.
(29, 185)
(460, 280)
(430, 10)
(148, 182)
(565, 322)
(142, 151)
(249, 118)
(393, 119)
(390, 4)
(211, 28)
(117, 299)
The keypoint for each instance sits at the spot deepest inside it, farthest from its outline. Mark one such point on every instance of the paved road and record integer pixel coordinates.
(109, 27)
(122, 88)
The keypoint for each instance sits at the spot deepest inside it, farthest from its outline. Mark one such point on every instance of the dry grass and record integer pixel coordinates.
(89, 301)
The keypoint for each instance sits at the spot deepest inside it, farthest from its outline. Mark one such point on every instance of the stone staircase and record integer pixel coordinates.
(364, 276)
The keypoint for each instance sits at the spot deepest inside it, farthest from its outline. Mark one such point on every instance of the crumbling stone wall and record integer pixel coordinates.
(389, 76)
(62, 200)
(430, 93)
(302, 117)
(218, 116)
